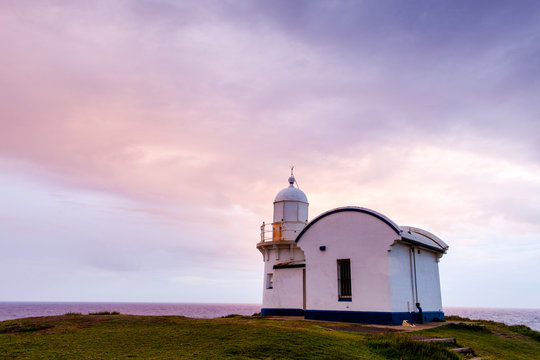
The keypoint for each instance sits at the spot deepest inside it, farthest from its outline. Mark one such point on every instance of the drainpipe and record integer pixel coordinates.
(420, 313)
(414, 268)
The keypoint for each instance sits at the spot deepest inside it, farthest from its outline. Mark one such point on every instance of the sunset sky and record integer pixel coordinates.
(142, 142)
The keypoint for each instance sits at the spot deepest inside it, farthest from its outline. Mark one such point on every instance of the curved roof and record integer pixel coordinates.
(379, 216)
(291, 193)
(408, 234)
(423, 238)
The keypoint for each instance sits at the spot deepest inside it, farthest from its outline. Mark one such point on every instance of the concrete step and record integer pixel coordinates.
(460, 350)
(463, 350)
(444, 340)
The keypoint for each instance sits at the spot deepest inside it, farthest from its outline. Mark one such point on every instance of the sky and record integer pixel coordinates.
(142, 142)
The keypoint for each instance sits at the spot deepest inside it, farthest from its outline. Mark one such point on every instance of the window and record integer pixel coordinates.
(290, 211)
(269, 281)
(344, 280)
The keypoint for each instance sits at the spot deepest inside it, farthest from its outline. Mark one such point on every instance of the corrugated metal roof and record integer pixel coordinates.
(423, 237)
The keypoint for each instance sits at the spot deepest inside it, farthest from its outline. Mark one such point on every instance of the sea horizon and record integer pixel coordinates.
(10, 310)
(223, 303)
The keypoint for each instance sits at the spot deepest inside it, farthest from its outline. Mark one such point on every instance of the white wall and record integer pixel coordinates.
(287, 291)
(428, 282)
(353, 235)
(401, 282)
(402, 290)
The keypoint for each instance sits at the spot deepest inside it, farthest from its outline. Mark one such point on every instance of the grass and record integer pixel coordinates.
(238, 337)
(468, 327)
(399, 346)
(526, 331)
(490, 339)
(167, 337)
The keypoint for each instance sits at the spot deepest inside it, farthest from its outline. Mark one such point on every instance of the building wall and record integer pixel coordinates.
(428, 282)
(287, 290)
(360, 237)
(408, 288)
(401, 280)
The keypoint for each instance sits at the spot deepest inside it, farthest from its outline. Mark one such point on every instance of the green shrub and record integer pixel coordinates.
(526, 331)
(456, 318)
(105, 313)
(234, 316)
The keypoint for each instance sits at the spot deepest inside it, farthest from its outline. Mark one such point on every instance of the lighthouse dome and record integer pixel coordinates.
(291, 193)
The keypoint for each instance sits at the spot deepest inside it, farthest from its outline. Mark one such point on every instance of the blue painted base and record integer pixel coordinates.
(372, 317)
(366, 317)
(431, 316)
(281, 312)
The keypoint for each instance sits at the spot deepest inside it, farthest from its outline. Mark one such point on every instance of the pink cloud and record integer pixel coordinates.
(192, 113)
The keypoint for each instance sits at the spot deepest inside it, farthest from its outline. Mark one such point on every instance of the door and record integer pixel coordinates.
(304, 289)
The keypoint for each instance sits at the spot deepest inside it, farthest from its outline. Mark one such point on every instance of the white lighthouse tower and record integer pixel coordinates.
(284, 262)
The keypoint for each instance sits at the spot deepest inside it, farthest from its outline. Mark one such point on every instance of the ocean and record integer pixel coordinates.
(15, 310)
(529, 317)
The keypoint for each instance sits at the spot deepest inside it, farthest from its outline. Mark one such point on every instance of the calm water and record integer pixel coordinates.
(15, 310)
(529, 317)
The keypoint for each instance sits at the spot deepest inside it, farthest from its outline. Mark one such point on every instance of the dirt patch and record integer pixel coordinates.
(499, 334)
(420, 338)
(23, 328)
(363, 329)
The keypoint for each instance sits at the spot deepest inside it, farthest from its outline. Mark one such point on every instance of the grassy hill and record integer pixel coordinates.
(75, 336)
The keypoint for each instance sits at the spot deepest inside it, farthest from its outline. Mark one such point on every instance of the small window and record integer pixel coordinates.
(269, 281)
(344, 280)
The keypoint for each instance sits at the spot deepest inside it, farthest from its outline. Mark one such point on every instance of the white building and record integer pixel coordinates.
(348, 264)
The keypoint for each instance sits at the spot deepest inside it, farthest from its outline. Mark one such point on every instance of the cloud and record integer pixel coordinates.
(180, 120)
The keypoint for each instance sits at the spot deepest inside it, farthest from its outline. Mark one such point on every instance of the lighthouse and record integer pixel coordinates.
(348, 264)
(284, 262)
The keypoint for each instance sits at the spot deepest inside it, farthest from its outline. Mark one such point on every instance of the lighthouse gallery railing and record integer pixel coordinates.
(276, 232)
